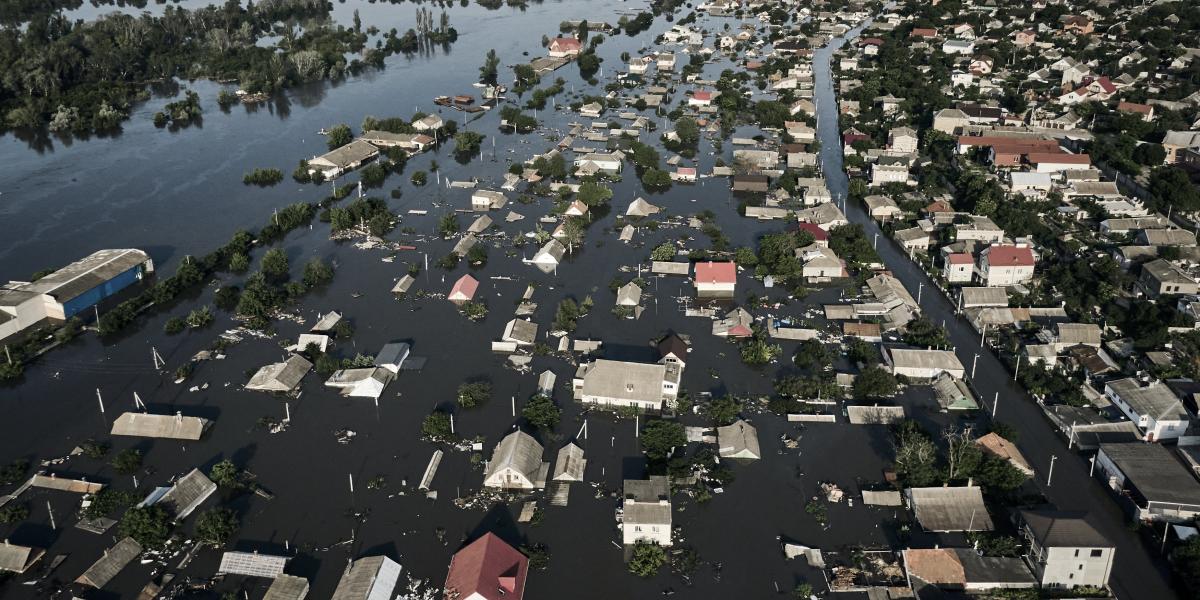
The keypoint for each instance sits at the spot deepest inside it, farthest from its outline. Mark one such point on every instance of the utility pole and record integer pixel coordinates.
(100, 400)
(995, 404)
(1050, 476)
(920, 288)
(53, 526)
(974, 363)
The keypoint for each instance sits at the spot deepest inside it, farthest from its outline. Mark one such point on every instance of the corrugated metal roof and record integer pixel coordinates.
(176, 427)
(103, 570)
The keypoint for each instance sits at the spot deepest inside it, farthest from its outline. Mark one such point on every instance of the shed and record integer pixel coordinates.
(629, 294)
(521, 332)
(403, 284)
(950, 508)
(546, 382)
(954, 394)
(641, 208)
(392, 356)
(173, 427)
(570, 463)
(112, 562)
(327, 322)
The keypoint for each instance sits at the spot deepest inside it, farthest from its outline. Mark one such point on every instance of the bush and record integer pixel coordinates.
(216, 526)
(174, 325)
(317, 273)
(127, 461)
(14, 512)
(200, 317)
(419, 178)
(148, 525)
(436, 427)
(647, 559)
(473, 394)
(263, 177)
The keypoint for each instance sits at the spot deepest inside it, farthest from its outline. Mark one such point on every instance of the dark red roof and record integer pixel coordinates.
(488, 567)
(716, 272)
(819, 235)
(1009, 256)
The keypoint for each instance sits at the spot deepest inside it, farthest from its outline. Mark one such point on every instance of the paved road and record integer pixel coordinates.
(1136, 574)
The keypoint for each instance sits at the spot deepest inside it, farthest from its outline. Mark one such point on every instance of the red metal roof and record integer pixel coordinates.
(1063, 159)
(960, 258)
(1009, 256)
(464, 288)
(716, 272)
(566, 43)
(702, 95)
(488, 567)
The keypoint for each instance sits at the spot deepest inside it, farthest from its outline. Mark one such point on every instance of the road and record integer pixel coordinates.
(1135, 574)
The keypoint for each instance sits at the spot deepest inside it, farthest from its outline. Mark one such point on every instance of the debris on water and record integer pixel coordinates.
(345, 436)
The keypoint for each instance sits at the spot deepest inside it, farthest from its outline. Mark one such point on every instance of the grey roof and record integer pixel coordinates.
(518, 451)
(106, 567)
(1007, 571)
(950, 508)
(629, 294)
(1078, 333)
(1165, 271)
(520, 330)
(891, 291)
(403, 284)
(18, 558)
(354, 152)
(392, 354)
(252, 564)
(280, 377)
(1168, 237)
(187, 494)
(739, 440)
(915, 358)
(1154, 472)
(175, 427)
(641, 513)
(641, 208)
(327, 322)
(654, 489)
(626, 380)
(1056, 528)
(1155, 400)
(368, 577)
(983, 296)
(85, 274)
(287, 587)
(465, 244)
(570, 463)
(480, 225)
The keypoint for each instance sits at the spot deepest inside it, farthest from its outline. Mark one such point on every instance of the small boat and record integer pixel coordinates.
(322, 131)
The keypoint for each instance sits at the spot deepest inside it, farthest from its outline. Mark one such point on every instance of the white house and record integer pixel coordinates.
(959, 268)
(549, 256)
(488, 200)
(958, 47)
(1157, 412)
(646, 511)
(617, 384)
(902, 140)
(716, 279)
(517, 464)
(1065, 550)
(1001, 265)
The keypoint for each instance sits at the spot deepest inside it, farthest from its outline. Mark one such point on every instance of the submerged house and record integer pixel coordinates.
(110, 564)
(517, 464)
(616, 384)
(370, 578)
(172, 427)
(347, 158)
(738, 440)
(18, 559)
(487, 569)
(280, 377)
(464, 290)
(366, 382)
(646, 511)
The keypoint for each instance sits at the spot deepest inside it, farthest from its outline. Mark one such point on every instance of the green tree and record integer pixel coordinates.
(487, 73)
(150, 526)
(215, 527)
(473, 394)
(317, 273)
(723, 411)
(339, 136)
(875, 382)
(448, 224)
(467, 142)
(646, 559)
(594, 194)
(656, 179)
(436, 426)
(812, 356)
(13, 512)
(688, 131)
(541, 412)
(566, 315)
(923, 332)
(663, 252)
(274, 265)
(226, 475)
(127, 461)
(659, 437)
(1171, 188)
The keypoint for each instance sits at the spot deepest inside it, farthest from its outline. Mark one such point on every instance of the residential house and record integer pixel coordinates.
(738, 323)
(912, 239)
(646, 511)
(340, 160)
(672, 349)
(882, 208)
(962, 47)
(1065, 550)
(1001, 265)
(487, 569)
(959, 267)
(992, 443)
(941, 509)
(903, 140)
(370, 578)
(1146, 111)
(549, 256)
(820, 264)
(563, 47)
(18, 559)
(280, 377)
(616, 384)
(715, 279)
(1155, 484)
(428, 123)
(738, 440)
(463, 290)
(517, 464)
(1162, 277)
(488, 200)
(1024, 38)
(962, 570)
(924, 365)
(701, 98)
(1154, 409)
(882, 174)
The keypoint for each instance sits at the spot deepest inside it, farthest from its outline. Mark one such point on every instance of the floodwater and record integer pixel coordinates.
(175, 193)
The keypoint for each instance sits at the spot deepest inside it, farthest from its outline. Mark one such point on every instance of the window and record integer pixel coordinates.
(1077, 553)
(1097, 553)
